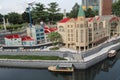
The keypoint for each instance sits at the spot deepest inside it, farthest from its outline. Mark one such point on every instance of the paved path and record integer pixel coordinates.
(103, 51)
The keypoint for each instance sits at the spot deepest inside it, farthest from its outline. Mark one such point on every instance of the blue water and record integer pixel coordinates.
(108, 69)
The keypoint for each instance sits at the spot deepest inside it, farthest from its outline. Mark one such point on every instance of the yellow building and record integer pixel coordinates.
(84, 33)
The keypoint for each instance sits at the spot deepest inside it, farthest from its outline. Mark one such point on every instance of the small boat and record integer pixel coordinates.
(66, 67)
(111, 53)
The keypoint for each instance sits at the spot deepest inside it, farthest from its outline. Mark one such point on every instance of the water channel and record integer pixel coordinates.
(108, 69)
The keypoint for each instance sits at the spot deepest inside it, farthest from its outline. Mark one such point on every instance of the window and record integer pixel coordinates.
(42, 33)
(38, 38)
(95, 26)
(77, 25)
(60, 26)
(41, 29)
(68, 39)
(100, 25)
(76, 35)
(89, 25)
(37, 30)
(68, 26)
(68, 35)
(81, 25)
(42, 37)
(71, 35)
(82, 36)
(37, 34)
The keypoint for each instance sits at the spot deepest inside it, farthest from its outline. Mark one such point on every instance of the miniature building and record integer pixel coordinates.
(37, 32)
(47, 31)
(83, 33)
(13, 40)
(28, 41)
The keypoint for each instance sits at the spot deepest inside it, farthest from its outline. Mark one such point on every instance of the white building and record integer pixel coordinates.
(13, 40)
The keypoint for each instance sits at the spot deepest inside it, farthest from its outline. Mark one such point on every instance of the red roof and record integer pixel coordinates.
(27, 38)
(114, 18)
(48, 30)
(91, 19)
(52, 29)
(12, 36)
(46, 27)
(98, 18)
(64, 20)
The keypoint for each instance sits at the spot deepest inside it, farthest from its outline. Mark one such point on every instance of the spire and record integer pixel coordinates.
(81, 12)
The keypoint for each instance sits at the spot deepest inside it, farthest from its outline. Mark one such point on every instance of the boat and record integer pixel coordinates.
(66, 67)
(111, 53)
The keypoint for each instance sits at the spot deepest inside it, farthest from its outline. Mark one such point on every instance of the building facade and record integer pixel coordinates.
(28, 41)
(13, 40)
(37, 32)
(84, 33)
(47, 31)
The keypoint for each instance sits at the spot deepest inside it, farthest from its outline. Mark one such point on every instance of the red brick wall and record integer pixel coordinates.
(106, 7)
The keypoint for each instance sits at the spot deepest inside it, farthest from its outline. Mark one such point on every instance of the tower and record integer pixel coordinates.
(105, 7)
(81, 14)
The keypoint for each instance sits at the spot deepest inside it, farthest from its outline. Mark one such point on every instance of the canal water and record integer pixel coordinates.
(108, 69)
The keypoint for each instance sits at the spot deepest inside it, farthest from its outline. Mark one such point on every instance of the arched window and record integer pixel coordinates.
(81, 25)
(100, 25)
(95, 26)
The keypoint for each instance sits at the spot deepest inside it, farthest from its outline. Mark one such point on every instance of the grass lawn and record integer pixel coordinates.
(25, 57)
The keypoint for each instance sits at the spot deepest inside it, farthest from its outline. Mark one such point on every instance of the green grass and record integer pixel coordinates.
(25, 57)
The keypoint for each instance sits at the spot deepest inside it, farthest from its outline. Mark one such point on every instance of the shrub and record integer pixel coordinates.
(54, 48)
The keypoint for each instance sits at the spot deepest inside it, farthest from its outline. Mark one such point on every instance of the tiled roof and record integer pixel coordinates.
(48, 30)
(27, 38)
(12, 36)
(64, 20)
(90, 19)
(114, 18)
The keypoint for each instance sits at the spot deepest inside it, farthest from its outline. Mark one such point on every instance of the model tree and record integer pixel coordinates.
(116, 8)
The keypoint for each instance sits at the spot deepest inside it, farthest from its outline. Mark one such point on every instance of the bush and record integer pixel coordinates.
(54, 48)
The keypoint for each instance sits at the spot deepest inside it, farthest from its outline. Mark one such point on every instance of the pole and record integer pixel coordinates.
(30, 19)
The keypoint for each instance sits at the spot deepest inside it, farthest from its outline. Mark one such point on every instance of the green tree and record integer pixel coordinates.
(39, 13)
(74, 11)
(53, 9)
(55, 37)
(25, 17)
(116, 8)
(90, 13)
(1, 18)
(14, 18)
